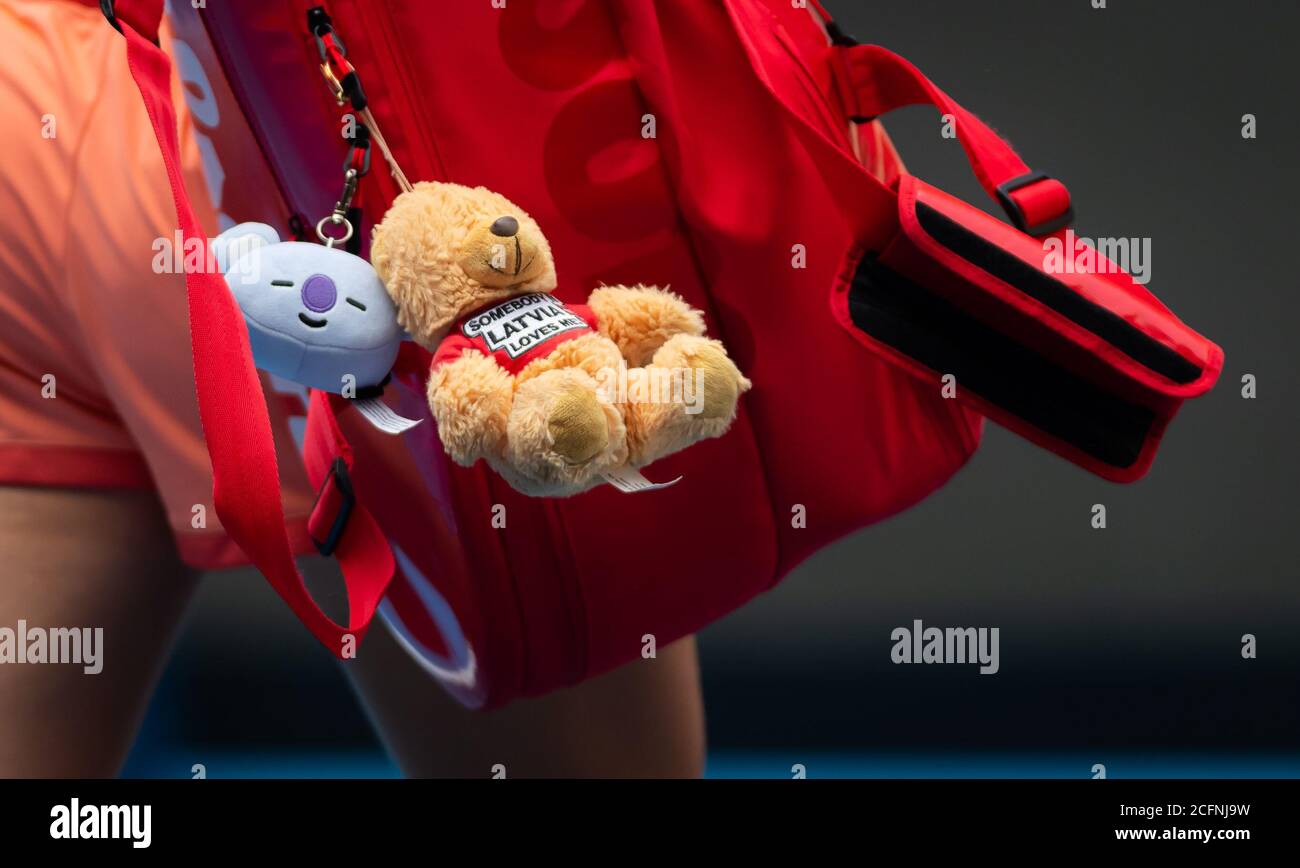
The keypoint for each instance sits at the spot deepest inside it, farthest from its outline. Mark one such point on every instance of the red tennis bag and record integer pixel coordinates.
(729, 150)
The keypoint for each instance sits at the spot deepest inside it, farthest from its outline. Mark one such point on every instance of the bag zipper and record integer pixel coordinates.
(415, 124)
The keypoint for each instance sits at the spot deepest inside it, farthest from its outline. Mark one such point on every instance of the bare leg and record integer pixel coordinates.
(644, 720)
(84, 559)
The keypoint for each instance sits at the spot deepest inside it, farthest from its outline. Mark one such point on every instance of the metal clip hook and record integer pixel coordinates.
(349, 191)
(335, 219)
(332, 82)
(338, 217)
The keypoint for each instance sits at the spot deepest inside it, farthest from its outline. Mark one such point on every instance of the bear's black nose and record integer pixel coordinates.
(506, 227)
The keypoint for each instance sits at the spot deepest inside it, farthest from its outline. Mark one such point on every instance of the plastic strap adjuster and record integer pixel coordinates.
(358, 151)
(110, 12)
(337, 497)
(106, 6)
(1017, 213)
(839, 36)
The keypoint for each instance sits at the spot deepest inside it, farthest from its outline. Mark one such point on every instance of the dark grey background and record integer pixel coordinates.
(1127, 637)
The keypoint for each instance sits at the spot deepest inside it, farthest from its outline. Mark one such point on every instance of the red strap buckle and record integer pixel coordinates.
(334, 503)
(1045, 210)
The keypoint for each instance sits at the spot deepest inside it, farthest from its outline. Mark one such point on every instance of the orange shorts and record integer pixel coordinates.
(96, 382)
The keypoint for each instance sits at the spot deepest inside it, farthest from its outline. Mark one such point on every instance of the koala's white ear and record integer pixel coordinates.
(239, 240)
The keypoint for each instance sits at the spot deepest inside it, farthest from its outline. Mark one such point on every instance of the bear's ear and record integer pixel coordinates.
(240, 240)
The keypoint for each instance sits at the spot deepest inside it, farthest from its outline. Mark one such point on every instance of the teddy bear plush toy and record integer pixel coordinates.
(520, 379)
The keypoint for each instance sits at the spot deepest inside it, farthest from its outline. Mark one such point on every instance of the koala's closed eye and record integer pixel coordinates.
(356, 304)
(282, 283)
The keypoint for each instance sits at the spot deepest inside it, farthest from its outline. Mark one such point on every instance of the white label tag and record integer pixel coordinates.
(380, 415)
(630, 481)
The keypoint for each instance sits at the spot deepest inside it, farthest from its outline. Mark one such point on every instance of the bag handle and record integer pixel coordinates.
(232, 407)
(878, 81)
(874, 80)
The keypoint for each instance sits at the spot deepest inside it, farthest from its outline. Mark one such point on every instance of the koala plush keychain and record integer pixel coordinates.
(555, 398)
(316, 315)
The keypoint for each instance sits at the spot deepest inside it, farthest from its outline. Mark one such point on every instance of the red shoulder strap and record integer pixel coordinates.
(232, 408)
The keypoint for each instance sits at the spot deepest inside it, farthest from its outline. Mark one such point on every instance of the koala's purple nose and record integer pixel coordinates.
(319, 293)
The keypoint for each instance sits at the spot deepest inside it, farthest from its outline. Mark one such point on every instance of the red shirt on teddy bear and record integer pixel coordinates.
(516, 331)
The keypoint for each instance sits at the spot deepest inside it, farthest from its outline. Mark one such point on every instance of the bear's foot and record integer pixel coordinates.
(705, 389)
(562, 434)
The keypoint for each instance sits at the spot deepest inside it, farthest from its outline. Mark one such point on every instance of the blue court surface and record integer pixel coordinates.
(153, 763)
